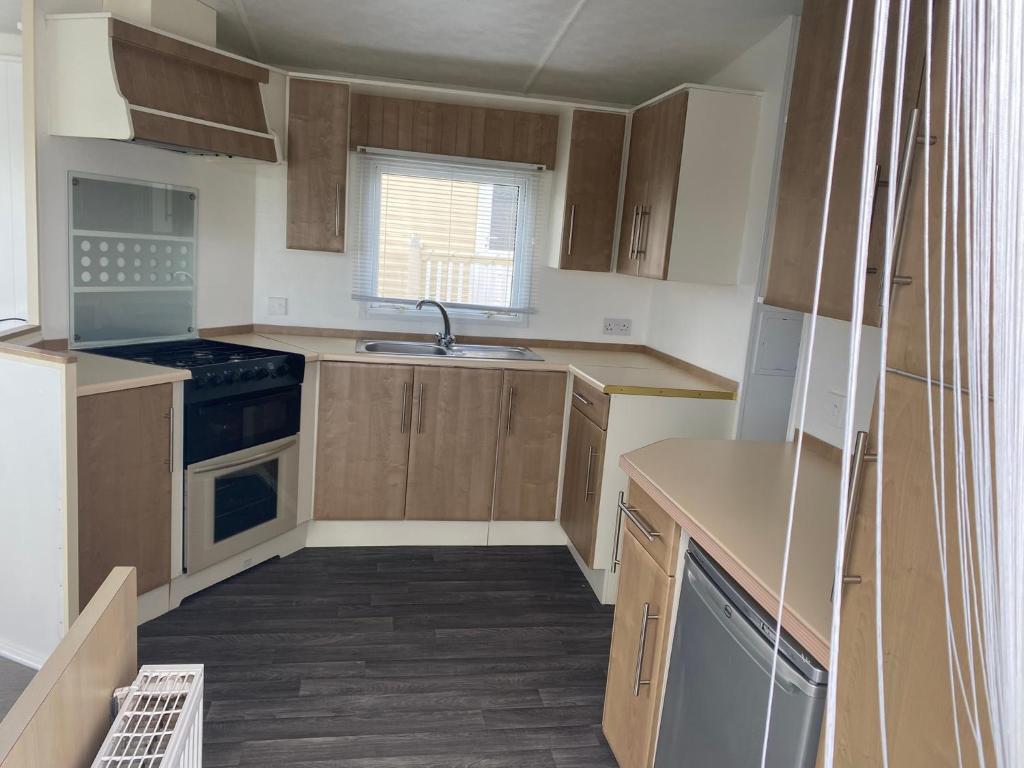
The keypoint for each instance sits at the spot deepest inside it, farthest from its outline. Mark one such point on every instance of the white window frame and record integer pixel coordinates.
(411, 164)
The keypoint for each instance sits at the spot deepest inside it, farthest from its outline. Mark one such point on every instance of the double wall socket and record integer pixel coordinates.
(615, 326)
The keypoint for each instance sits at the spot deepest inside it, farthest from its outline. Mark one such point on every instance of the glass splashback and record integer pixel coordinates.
(132, 261)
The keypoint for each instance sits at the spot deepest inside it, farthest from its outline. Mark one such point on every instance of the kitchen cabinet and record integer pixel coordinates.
(581, 487)
(592, 190)
(687, 184)
(452, 452)
(318, 115)
(529, 445)
(803, 175)
(363, 441)
(125, 460)
(636, 661)
(919, 706)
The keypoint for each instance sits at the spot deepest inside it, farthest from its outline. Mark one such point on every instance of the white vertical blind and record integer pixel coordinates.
(457, 231)
(13, 266)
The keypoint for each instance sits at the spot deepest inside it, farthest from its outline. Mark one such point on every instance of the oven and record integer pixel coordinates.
(236, 501)
(230, 424)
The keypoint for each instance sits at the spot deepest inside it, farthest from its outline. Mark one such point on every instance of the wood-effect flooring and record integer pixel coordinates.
(433, 657)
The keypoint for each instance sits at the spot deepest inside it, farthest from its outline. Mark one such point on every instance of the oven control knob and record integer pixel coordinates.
(248, 374)
(230, 376)
(262, 373)
(213, 379)
(282, 370)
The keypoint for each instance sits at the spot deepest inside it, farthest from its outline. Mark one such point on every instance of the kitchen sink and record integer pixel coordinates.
(427, 349)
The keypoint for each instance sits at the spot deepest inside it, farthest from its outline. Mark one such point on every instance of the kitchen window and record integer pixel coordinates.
(457, 231)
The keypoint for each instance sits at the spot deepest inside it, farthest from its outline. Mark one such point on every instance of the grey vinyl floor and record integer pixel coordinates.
(13, 680)
(485, 657)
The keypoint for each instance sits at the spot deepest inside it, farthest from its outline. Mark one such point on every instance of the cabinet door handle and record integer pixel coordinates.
(420, 399)
(572, 227)
(591, 453)
(634, 515)
(902, 192)
(405, 406)
(337, 209)
(511, 400)
(170, 439)
(645, 618)
(641, 232)
(632, 232)
(861, 456)
(577, 396)
(616, 547)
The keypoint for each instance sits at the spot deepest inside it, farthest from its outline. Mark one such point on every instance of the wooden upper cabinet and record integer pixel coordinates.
(581, 484)
(318, 114)
(803, 178)
(362, 456)
(124, 487)
(638, 647)
(459, 130)
(592, 190)
(454, 433)
(529, 445)
(687, 187)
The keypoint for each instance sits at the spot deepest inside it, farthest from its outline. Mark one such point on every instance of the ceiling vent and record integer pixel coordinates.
(112, 79)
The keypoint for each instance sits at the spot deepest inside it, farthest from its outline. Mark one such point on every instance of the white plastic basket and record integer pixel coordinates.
(160, 723)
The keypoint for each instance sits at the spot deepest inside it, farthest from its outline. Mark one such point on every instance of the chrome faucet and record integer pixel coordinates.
(445, 339)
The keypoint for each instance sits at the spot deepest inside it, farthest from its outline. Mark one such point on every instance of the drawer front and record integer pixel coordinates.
(651, 526)
(637, 658)
(591, 402)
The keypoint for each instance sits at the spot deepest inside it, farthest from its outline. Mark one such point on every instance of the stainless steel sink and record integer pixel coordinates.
(426, 349)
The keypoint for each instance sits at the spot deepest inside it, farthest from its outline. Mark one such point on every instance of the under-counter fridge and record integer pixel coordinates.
(716, 694)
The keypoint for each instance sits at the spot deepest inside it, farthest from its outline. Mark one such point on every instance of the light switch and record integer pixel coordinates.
(277, 305)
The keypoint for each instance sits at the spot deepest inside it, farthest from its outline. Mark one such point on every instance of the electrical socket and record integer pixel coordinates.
(836, 409)
(615, 326)
(277, 305)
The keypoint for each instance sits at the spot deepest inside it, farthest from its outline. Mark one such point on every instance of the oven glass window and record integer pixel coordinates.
(244, 499)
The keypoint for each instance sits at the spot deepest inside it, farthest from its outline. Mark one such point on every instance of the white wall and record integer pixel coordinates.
(33, 476)
(827, 397)
(709, 325)
(226, 207)
(13, 263)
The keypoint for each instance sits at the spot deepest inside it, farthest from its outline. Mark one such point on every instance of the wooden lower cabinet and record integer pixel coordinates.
(581, 486)
(124, 486)
(529, 445)
(454, 436)
(638, 653)
(363, 441)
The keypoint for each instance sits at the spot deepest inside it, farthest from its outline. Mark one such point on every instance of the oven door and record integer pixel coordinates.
(237, 501)
(221, 427)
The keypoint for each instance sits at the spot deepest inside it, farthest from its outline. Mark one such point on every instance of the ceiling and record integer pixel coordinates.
(612, 51)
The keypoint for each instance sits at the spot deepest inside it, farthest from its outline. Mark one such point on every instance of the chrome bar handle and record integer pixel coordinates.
(616, 559)
(902, 191)
(641, 236)
(645, 619)
(582, 399)
(405, 406)
(632, 232)
(170, 439)
(419, 420)
(337, 209)
(861, 456)
(591, 453)
(511, 400)
(572, 227)
(633, 514)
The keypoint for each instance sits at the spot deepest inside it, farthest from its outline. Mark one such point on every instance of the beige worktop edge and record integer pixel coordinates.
(99, 375)
(814, 641)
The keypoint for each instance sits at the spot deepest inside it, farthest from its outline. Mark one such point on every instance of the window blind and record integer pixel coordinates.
(453, 230)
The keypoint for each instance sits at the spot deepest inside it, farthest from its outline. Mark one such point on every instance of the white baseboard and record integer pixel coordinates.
(396, 533)
(516, 533)
(154, 603)
(21, 656)
(604, 583)
(281, 546)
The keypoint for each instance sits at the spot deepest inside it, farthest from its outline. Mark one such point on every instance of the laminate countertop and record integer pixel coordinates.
(614, 372)
(97, 374)
(732, 498)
